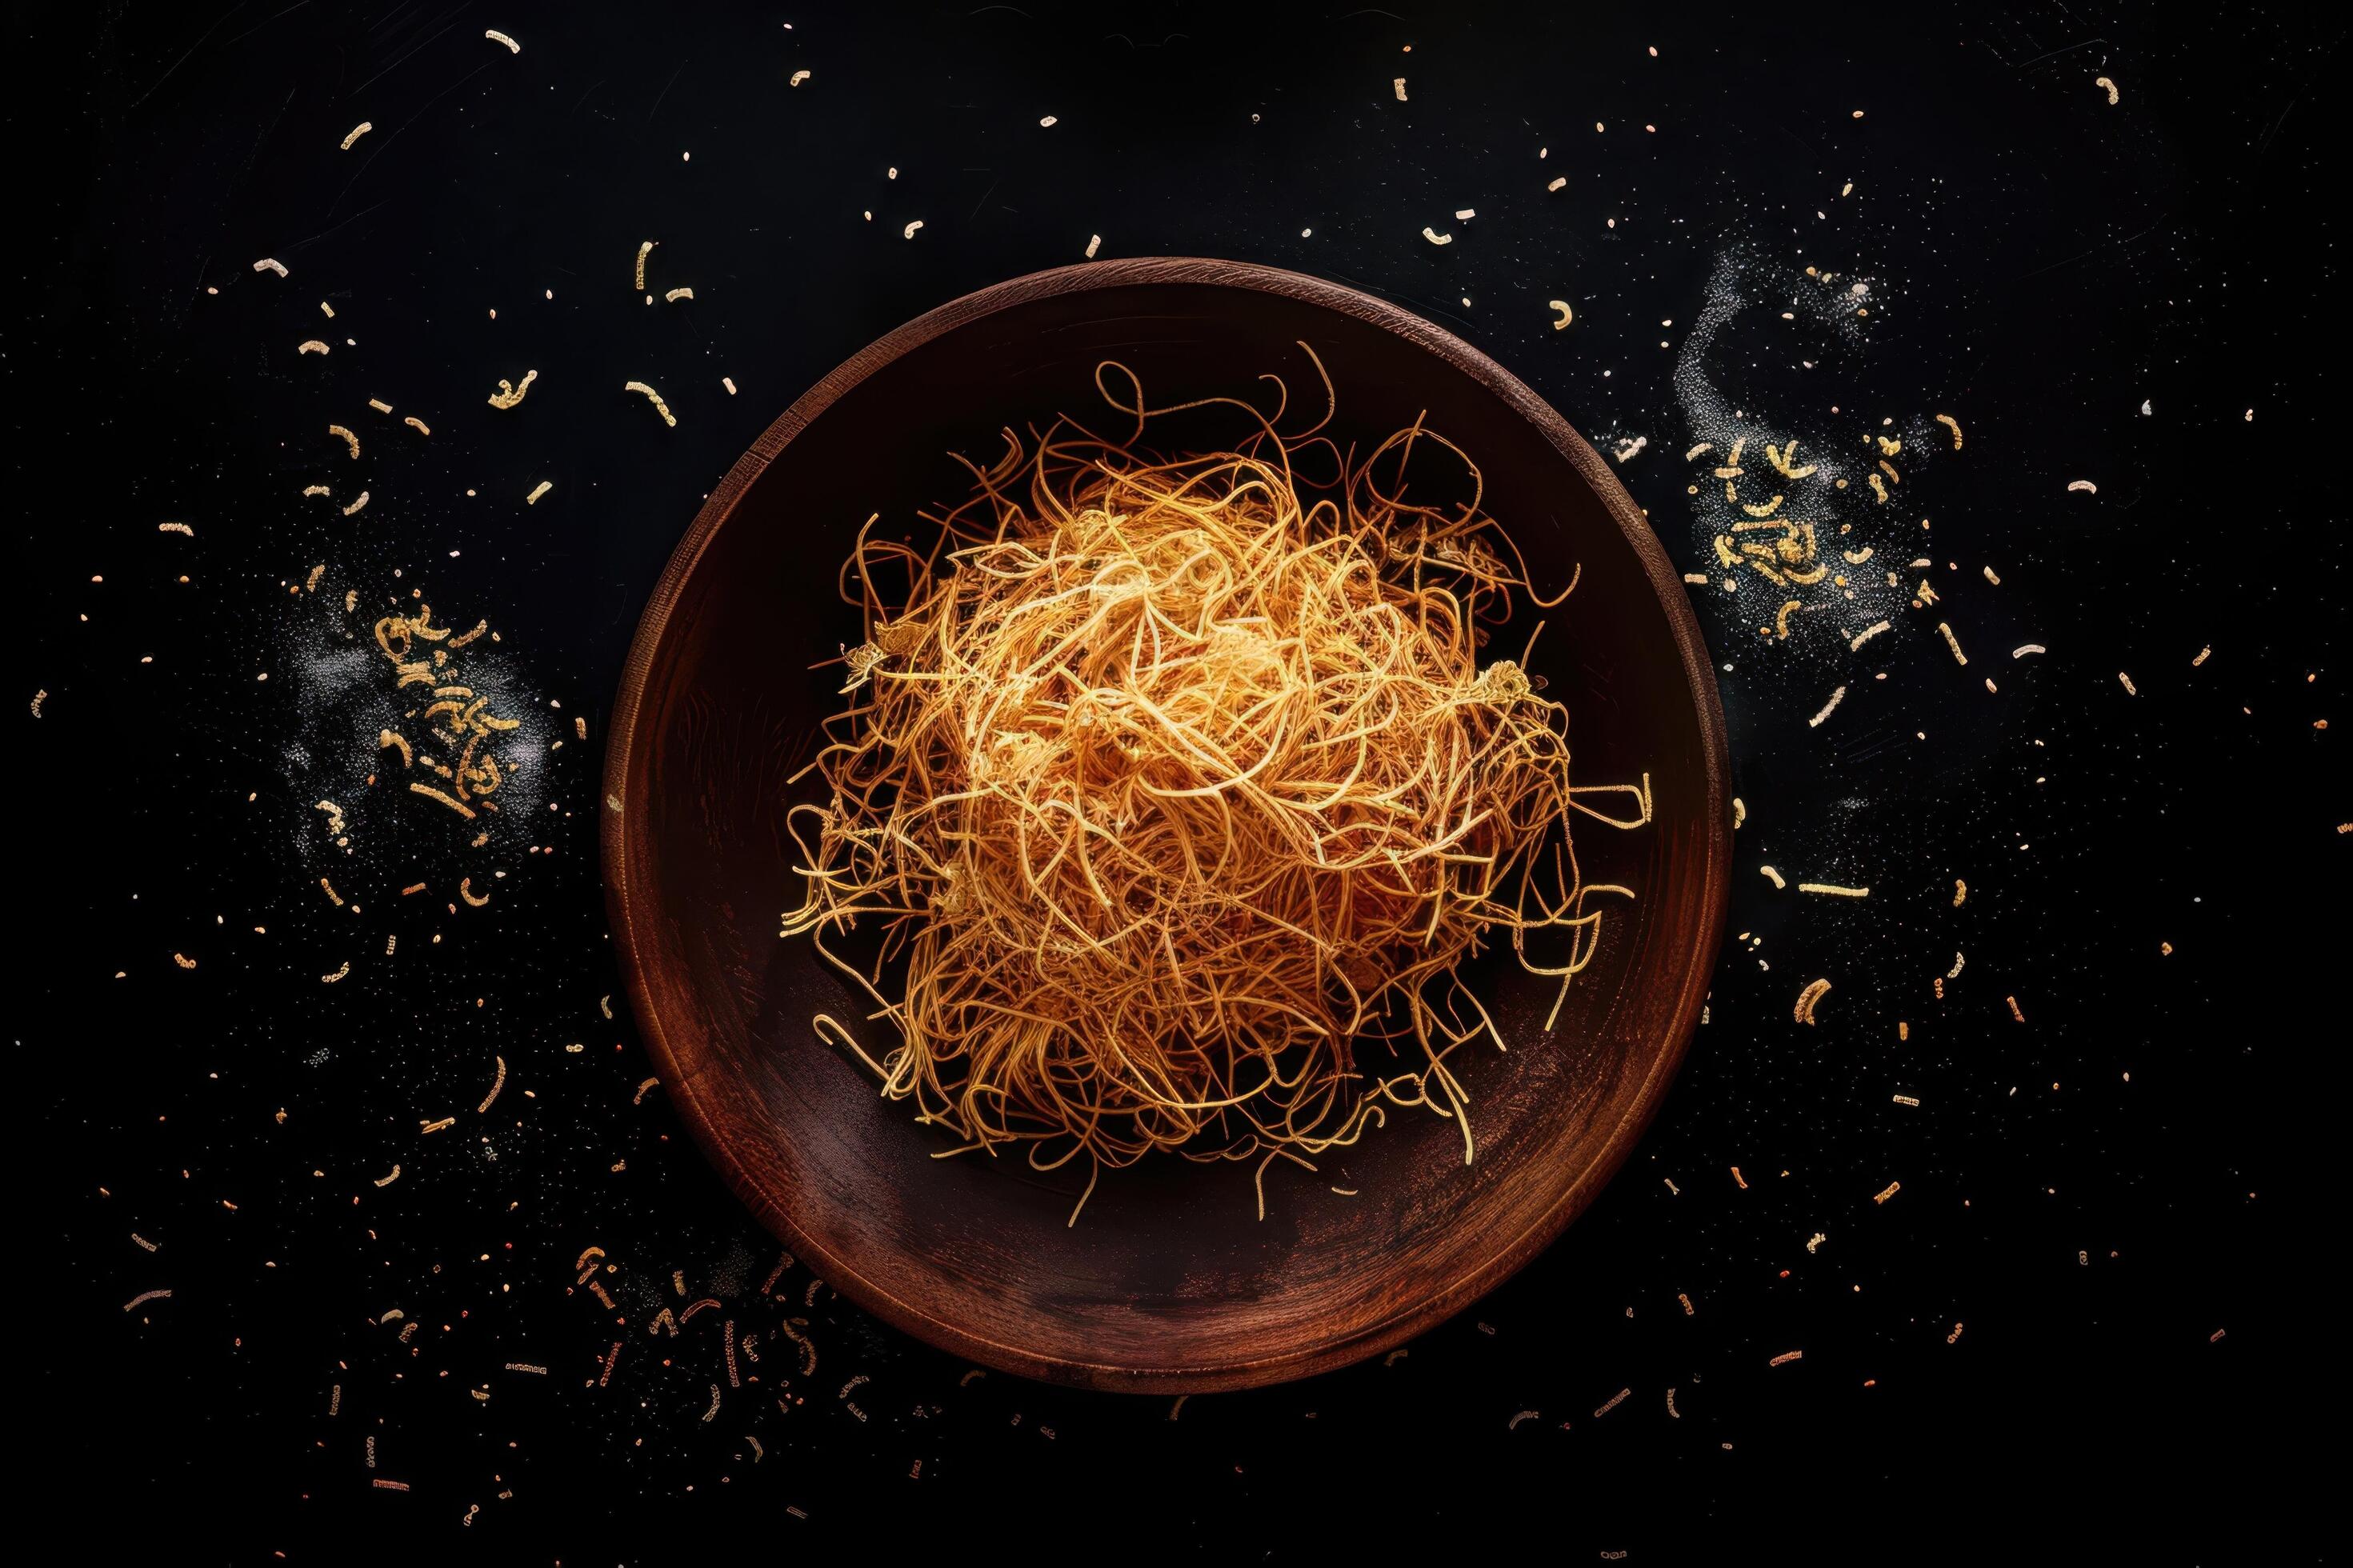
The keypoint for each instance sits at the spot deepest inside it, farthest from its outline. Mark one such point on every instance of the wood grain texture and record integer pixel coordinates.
(1168, 1284)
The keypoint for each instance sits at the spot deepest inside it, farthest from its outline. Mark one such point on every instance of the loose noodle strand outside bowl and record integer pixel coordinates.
(1168, 1283)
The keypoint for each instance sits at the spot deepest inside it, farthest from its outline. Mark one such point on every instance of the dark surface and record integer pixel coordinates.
(1172, 1284)
(2040, 264)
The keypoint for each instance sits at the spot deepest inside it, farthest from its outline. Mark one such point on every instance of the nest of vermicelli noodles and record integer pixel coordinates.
(1178, 796)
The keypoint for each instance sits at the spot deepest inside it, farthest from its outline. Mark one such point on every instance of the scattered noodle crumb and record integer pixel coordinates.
(338, 974)
(271, 264)
(1891, 1190)
(1094, 242)
(379, 405)
(349, 439)
(498, 1082)
(909, 232)
(1786, 1356)
(675, 295)
(1567, 315)
(2104, 81)
(798, 76)
(311, 346)
(2014, 1009)
(1952, 642)
(146, 1296)
(1960, 892)
(387, 1181)
(1834, 890)
(540, 490)
(654, 397)
(2023, 649)
(498, 37)
(2130, 690)
(1867, 633)
(362, 129)
(175, 528)
(1435, 237)
(512, 393)
(1773, 875)
(1949, 423)
(460, 806)
(418, 423)
(1398, 83)
(2086, 485)
(353, 509)
(1809, 998)
(2201, 658)
(1836, 698)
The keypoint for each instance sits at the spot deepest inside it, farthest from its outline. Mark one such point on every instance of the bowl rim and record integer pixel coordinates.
(1712, 843)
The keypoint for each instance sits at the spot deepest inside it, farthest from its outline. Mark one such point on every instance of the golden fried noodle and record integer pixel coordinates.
(1179, 797)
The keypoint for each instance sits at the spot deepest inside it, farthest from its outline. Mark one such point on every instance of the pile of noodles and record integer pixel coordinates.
(1176, 795)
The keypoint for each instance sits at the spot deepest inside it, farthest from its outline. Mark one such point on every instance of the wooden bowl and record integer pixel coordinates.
(1169, 1283)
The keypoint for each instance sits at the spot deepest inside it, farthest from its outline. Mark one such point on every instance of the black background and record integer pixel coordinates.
(2039, 262)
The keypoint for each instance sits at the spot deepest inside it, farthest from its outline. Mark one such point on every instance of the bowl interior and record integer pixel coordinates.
(1168, 1281)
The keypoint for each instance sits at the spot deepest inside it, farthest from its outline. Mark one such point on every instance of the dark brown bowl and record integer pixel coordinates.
(1168, 1283)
